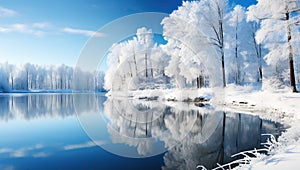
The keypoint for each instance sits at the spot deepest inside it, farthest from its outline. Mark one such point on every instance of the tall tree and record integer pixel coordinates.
(194, 30)
(258, 50)
(133, 62)
(219, 6)
(242, 60)
(235, 19)
(279, 19)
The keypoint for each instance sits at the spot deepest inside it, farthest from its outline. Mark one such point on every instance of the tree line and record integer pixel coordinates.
(45, 77)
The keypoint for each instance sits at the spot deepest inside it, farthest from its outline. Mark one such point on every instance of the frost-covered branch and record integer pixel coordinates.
(248, 156)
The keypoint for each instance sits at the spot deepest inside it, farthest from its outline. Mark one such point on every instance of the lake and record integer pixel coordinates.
(91, 131)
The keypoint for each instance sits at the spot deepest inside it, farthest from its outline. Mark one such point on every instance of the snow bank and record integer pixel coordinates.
(281, 105)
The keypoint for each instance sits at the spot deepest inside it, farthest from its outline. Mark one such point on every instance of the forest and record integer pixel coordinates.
(31, 77)
(209, 43)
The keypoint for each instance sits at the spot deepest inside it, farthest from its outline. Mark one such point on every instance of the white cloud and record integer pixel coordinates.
(84, 145)
(21, 28)
(5, 150)
(88, 33)
(23, 152)
(40, 155)
(41, 25)
(7, 12)
(37, 146)
(18, 153)
(42, 28)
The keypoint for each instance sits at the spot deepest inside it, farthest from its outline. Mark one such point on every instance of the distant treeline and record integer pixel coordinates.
(45, 77)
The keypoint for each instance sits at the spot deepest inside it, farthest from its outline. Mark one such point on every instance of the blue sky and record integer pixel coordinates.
(54, 32)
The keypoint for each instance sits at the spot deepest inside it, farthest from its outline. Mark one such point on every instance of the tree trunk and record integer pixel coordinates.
(134, 60)
(12, 82)
(51, 81)
(151, 67)
(200, 81)
(258, 54)
(237, 78)
(27, 80)
(223, 70)
(221, 39)
(130, 69)
(146, 65)
(260, 63)
(61, 83)
(291, 61)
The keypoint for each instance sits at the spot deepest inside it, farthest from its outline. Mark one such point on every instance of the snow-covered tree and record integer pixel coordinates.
(8, 71)
(137, 63)
(259, 51)
(243, 54)
(235, 19)
(83, 81)
(4, 81)
(39, 77)
(278, 33)
(195, 35)
(21, 79)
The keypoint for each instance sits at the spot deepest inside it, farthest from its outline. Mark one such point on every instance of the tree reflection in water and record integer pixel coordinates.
(191, 135)
(30, 106)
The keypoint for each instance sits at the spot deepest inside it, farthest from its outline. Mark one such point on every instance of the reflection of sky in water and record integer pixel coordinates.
(42, 131)
(54, 140)
(24, 132)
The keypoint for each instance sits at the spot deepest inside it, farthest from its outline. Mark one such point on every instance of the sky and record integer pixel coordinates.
(54, 32)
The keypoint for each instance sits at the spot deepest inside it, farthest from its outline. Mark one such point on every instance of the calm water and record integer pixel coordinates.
(43, 131)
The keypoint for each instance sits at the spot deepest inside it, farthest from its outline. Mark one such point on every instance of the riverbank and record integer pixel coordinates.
(277, 105)
(281, 105)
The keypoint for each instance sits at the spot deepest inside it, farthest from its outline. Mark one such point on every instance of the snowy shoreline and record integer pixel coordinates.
(279, 105)
(282, 106)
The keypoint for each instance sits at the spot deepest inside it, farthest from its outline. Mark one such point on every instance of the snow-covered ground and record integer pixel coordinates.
(286, 159)
(281, 105)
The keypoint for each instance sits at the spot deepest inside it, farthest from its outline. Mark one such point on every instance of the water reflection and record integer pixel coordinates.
(41, 131)
(235, 133)
(150, 126)
(30, 106)
(181, 134)
(192, 135)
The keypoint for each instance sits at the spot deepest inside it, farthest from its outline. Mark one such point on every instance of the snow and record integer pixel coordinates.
(280, 100)
(176, 94)
(279, 105)
(289, 159)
